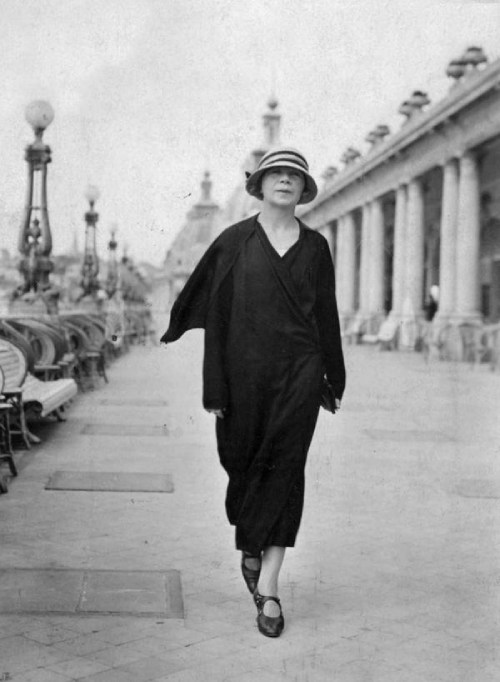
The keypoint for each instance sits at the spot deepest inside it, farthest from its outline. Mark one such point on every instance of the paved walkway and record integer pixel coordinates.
(394, 577)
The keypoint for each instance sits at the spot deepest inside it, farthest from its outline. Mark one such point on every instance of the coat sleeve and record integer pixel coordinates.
(190, 308)
(327, 319)
(193, 303)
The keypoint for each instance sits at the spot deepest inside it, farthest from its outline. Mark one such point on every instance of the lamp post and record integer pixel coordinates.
(112, 276)
(35, 238)
(90, 266)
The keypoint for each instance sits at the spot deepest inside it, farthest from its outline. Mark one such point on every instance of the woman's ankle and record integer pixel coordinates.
(267, 589)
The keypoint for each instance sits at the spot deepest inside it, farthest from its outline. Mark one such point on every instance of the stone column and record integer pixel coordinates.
(376, 270)
(364, 275)
(414, 280)
(339, 265)
(346, 264)
(349, 258)
(399, 263)
(448, 245)
(468, 234)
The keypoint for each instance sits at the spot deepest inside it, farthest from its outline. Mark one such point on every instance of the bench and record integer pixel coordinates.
(6, 454)
(354, 330)
(362, 329)
(492, 343)
(388, 335)
(87, 343)
(50, 347)
(27, 394)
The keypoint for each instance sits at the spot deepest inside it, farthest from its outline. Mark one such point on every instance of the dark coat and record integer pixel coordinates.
(271, 333)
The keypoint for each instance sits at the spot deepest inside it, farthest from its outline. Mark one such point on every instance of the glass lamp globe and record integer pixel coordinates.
(39, 114)
(92, 194)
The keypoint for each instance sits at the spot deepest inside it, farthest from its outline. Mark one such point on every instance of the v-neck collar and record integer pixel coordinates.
(281, 270)
(268, 241)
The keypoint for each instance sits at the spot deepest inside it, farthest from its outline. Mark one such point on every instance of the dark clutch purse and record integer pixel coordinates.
(328, 396)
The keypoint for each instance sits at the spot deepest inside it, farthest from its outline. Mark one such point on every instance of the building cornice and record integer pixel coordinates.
(472, 88)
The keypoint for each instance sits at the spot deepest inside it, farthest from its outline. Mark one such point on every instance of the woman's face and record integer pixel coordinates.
(282, 186)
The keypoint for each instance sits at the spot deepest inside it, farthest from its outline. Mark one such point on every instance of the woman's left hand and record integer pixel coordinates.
(218, 413)
(337, 404)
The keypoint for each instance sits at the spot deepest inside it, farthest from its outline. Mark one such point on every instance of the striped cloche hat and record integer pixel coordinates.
(282, 156)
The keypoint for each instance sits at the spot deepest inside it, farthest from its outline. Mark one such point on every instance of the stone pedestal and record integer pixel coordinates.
(89, 304)
(32, 305)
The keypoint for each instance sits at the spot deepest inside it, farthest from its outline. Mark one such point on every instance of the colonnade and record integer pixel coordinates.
(459, 249)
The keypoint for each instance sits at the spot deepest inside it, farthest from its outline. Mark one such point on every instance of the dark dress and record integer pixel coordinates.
(271, 333)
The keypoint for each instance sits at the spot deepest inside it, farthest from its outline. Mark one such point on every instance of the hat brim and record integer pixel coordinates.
(253, 183)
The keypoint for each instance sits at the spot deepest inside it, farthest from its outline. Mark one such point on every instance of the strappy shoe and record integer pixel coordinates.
(250, 575)
(270, 626)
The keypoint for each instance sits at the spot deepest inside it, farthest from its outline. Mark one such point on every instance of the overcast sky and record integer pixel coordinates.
(150, 93)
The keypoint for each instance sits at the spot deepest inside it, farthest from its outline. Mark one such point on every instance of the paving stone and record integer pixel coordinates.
(28, 591)
(81, 645)
(146, 669)
(479, 488)
(119, 654)
(89, 624)
(262, 675)
(124, 430)
(49, 634)
(72, 591)
(122, 634)
(133, 402)
(110, 481)
(77, 667)
(109, 676)
(19, 661)
(409, 436)
(39, 675)
(138, 592)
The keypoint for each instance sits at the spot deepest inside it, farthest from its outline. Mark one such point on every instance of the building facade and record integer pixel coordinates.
(206, 220)
(192, 240)
(422, 207)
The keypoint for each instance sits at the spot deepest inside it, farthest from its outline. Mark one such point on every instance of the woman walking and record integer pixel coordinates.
(265, 294)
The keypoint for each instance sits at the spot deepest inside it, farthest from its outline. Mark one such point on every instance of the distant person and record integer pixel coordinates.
(432, 304)
(265, 294)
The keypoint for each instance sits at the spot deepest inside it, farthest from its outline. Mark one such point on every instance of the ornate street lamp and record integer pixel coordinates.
(112, 275)
(90, 266)
(35, 238)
